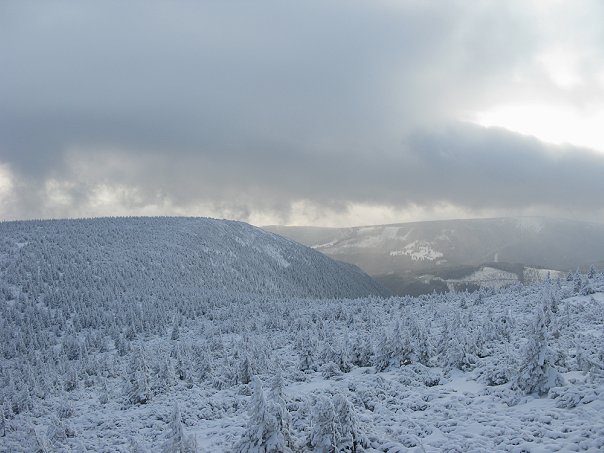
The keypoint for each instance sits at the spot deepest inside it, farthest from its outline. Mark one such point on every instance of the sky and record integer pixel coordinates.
(330, 113)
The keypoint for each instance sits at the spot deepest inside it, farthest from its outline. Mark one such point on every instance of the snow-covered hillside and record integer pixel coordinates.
(162, 259)
(401, 256)
(513, 369)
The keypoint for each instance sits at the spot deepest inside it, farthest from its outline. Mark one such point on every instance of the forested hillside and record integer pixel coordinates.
(101, 364)
(97, 262)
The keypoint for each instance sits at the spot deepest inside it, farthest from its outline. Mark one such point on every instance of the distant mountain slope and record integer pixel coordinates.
(453, 249)
(163, 258)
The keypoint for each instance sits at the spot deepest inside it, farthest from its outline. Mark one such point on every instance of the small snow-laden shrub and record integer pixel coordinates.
(596, 375)
(587, 290)
(40, 443)
(65, 410)
(504, 394)
(569, 397)
(71, 347)
(496, 370)
(244, 390)
(414, 404)
(329, 354)
(565, 398)
(58, 431)
(22, 401)
(492, 375)
(331, 371)
(368, 397)
(299, 376)
(431, 378)
(307, 360)
(70, 380)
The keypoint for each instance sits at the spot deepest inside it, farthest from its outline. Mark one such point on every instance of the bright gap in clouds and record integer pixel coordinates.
(552, 124)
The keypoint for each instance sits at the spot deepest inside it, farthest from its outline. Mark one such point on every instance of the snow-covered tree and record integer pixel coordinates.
(2, 421)
(423, 350)
(263, 433)
(536, 374)
(138, 388)
(175, 335)
(246, 370)
(360, 351)
(324, 431)
(104, 392)
(382, 352)
(277, 398)
(177, 441)
(349, 437)
(307, 359)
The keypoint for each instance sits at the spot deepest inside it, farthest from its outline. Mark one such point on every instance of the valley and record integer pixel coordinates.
(422, 257)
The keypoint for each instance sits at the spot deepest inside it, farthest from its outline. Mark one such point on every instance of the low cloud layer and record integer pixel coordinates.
(278, 112)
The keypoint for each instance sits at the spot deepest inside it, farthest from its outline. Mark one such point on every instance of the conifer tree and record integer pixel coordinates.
(536, 373)
(324, 434)
(382, 353)
(281, 413)
(349, 438)
(263, 433)
(177, 442)
(138, 389)
(307, 361)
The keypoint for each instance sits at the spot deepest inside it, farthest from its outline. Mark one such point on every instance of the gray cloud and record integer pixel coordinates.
(252, 106)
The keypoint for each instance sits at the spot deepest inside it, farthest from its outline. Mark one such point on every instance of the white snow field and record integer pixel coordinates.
(96, 354)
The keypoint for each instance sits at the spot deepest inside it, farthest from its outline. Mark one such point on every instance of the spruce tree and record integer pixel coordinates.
(349, 438)
(536, 373)
(263, 433)
(177, 442)
(324, 434)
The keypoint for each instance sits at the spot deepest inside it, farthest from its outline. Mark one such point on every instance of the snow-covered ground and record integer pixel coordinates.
(532, 275)
(452, 372)
(418, 251)
(487, 277)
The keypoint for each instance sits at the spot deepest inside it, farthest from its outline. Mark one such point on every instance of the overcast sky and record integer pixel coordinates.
(302, 112)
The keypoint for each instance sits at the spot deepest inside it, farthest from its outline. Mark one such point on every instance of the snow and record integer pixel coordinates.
(325, 245)
(433, 373)
(488, 277)
(418, 251)
(274, 253)
(533, 275)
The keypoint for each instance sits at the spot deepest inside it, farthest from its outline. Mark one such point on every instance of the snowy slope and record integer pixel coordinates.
(151, 258)
(451, 372)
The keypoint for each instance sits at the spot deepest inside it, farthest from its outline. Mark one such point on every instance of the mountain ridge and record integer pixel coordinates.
(411, 251)
(195, 255)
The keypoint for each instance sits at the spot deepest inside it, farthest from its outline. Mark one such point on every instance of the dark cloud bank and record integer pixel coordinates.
(253, 106)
